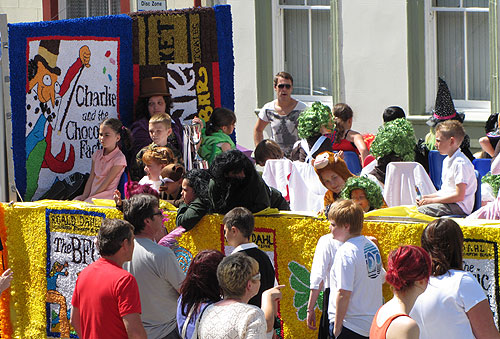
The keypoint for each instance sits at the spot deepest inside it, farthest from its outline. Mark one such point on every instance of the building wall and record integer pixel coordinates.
(245, 73)
(22, 10)
(374, 70)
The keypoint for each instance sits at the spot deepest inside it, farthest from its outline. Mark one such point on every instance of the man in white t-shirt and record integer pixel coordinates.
(356, 277)
(155, 268)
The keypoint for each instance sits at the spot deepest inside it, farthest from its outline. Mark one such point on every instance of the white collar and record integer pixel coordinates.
(243, 247)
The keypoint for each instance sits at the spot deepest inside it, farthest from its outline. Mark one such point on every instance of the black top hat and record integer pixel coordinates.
(48, 51)
(444, 108)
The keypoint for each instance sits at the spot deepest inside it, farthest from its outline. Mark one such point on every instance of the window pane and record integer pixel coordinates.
(296, 30)
(115, 7)
(476, 3)
(292, 2)
(98, 7)
(478, 56)
(446, 3)
(321, 53)
(318, 2)
(450, 43)
(75, 9)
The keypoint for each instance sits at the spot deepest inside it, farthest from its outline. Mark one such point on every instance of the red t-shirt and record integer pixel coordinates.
(104, 293)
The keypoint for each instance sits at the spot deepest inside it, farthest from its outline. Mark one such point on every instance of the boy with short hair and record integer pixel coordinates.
(357, 274)
(238, 229)
(459, 184)
(160, 129)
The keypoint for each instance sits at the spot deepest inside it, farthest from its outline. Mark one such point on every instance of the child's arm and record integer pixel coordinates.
(225, 146)
(341, 303)
(457, 196)
(486, 146)
(358, 141)
(88, 185)
(113, 173)
(311, 315)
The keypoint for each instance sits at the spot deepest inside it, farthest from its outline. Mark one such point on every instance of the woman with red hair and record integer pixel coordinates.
(199, 289)
(408, 271)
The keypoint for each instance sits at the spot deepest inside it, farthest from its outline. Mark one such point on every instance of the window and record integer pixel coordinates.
(460, 35)
(302, 46)
(70, 9)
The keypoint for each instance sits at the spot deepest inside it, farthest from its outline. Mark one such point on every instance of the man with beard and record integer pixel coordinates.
(236, 183)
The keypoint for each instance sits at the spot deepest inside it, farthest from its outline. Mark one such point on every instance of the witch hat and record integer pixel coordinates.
(444, 108)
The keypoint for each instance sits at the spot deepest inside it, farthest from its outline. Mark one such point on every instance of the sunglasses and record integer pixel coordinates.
(287, 86)
(157, 213)
(256, 277)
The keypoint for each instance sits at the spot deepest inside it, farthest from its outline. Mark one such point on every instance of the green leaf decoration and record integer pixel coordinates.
(297, 285)
(300, 272)
(299, 281)
(493, 181)
(319, 302)
(299, 299)
(313, 118)
(302, 313)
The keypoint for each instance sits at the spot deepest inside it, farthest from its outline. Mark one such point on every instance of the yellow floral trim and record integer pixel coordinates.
(5, 323)
(295, 239)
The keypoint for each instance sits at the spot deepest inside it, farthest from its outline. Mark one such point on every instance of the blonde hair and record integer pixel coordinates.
(163, 118)
(160, 155)
(347, 212)
(233, 274)
(451, 128)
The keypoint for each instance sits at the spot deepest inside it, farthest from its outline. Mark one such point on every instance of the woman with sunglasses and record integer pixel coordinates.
(232, 317)
(282, 113)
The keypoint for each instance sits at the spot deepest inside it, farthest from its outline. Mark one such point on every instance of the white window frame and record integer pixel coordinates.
(62, 8)
(279, 46)
(467, 106)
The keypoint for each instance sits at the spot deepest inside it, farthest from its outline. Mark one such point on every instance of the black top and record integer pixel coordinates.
(267, 275)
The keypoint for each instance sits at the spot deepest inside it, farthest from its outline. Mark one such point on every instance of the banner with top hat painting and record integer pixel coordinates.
(66, 77)
(69, 75)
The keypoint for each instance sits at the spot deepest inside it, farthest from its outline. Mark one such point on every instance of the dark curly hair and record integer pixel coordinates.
(230, 161)
(198, 180)
(201, 284)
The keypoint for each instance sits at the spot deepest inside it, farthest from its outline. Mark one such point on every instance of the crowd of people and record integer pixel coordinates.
(138, 290)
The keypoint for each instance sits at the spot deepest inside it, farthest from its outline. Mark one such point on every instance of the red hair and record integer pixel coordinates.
(407, 265)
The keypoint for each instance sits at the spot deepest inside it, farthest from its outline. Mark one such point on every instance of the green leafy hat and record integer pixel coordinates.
(493, 181)
(372, 190)
(312, 119)
(396, 137)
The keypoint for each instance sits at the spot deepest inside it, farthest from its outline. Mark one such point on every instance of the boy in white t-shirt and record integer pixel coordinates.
(356, 277)
(456, 196)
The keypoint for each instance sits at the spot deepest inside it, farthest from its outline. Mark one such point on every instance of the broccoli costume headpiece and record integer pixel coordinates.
(396, 137)
(311, 120)
(372, 190)
(493, 181)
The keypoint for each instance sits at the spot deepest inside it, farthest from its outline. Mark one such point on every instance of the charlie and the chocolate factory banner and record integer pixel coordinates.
(47, 244)
(67, 76)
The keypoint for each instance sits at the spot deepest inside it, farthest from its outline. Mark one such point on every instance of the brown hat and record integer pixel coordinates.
(331, 161)
(171, 173)
(48, 51)
(153, 86)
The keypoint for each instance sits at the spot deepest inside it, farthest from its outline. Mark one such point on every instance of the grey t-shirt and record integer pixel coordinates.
(159, 276)
(283, 127)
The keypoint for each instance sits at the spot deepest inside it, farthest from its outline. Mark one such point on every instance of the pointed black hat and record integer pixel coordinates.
(444, 108)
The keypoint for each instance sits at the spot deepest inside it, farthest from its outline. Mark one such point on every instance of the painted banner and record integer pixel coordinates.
(70, 75)
(70, 249)
(48, 243)
(192, 49)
